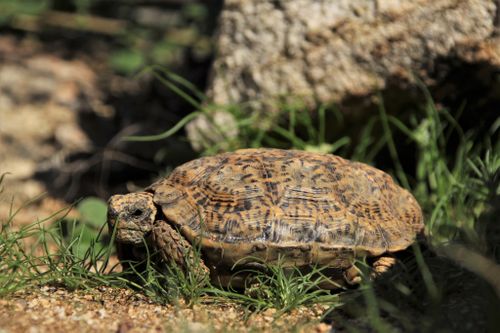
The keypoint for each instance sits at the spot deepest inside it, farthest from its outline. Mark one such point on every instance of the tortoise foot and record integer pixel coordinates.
(382, 265)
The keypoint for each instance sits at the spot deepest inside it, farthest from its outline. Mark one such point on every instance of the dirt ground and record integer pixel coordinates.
(52, 309)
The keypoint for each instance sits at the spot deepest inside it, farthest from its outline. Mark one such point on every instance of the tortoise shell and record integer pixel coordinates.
(307, 207)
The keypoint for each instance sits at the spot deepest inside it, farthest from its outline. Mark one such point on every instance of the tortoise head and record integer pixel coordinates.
(132, 215)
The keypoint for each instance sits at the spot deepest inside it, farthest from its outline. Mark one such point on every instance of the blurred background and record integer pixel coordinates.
(102, 97)
(85, 86)
(99, 97)
(69, 90)
(76, 78)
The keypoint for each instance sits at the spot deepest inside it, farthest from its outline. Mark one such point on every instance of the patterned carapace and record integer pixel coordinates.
(313, 208)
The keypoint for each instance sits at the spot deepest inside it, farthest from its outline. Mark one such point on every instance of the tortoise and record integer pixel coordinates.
(255, 206)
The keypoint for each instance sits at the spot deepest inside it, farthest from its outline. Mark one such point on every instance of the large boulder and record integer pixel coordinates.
(340, 52)
(325, 51)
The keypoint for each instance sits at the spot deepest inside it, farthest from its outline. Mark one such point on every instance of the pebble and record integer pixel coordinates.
(68, 311)
(196, 327)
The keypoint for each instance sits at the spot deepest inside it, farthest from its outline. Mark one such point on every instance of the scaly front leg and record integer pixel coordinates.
(175, 249)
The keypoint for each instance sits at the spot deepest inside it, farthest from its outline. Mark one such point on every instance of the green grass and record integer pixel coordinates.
(457, 185)
(299, 131)
(170, 283)
(279, 287)
(40, 253)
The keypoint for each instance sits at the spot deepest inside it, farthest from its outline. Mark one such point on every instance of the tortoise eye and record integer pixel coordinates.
(137, 213)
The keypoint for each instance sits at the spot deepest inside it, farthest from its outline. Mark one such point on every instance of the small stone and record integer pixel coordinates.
(196, 327)
(21, 304)
(44, 302)
(269, 312)
(322, 328)
(45, 288)
(72, 137)
(102, 313)
(125, 326)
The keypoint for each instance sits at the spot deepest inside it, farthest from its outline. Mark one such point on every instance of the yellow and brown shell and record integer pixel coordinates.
(309, 208)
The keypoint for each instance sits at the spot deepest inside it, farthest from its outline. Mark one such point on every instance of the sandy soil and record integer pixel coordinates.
(52, 309)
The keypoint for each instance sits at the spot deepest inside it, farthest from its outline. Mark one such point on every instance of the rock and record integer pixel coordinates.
(196, 327)
(42, 98)
(71, 137)
(213, 129)
(19, 168)
(125, 326)
(322, 328)
(327, 51)
(314, 53)
(268, 315)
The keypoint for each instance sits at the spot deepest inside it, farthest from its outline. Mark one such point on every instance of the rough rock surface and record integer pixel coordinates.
(325, 51)
(61, 118)
(40, 99)
(208, 129)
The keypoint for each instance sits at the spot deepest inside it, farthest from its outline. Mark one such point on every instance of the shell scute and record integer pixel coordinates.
(282, 199)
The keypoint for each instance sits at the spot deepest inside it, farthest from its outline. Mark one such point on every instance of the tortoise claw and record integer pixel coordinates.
(352, 276)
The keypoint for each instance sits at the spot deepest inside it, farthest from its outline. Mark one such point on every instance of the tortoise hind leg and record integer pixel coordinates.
(382, 265)
(352, 275)
(174, 249)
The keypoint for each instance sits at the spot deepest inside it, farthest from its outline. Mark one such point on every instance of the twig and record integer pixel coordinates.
(73, 21)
